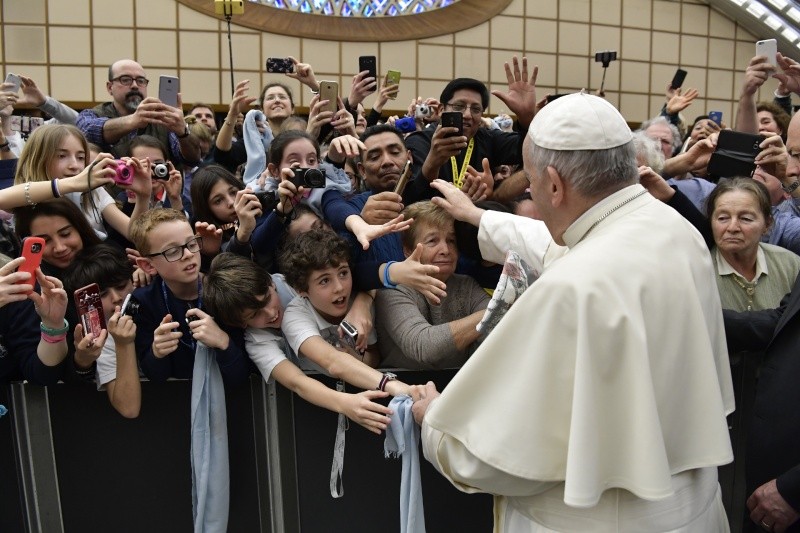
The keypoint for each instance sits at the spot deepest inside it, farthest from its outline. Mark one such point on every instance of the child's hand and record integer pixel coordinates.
(205, 330)
(121, 328)
(87, 347)
(212, 237)
(165, 338)
(361, 408)
(360, 317)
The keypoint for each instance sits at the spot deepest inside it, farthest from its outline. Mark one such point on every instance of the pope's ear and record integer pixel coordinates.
(556, 186)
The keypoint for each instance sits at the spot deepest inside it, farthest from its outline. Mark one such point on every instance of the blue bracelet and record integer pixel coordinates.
(387, 281)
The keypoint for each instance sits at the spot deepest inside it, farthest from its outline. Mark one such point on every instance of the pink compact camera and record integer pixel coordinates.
(124, 173)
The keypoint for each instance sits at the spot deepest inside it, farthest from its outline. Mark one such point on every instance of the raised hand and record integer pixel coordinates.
(521, 95)
(165, 337)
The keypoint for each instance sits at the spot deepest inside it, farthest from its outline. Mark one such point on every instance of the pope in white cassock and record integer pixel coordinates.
(599, 401)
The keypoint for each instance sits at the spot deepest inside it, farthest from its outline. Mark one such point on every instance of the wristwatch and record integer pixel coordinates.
(791, 188)
(386, 378)
(185, 134)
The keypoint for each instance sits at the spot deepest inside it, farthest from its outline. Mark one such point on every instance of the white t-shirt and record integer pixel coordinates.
(107, 364)
(266, 348)
(102, 200)
(302, 321)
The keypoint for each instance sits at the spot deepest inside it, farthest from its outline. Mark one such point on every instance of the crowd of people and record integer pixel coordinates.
(338, 244)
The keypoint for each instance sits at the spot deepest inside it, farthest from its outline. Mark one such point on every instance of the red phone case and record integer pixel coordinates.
(32, 249)
(90, 309)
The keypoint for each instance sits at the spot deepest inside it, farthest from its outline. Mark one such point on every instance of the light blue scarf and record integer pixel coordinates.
(210, 474)
(256, 145)
(402, 437)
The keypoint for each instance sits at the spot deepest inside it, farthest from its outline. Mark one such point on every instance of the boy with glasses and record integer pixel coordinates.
(466, 159)
(170, 319)
(131, 112)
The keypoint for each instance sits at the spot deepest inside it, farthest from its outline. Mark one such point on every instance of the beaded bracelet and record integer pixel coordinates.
(387, 281)
(28, 199)
(54, 332)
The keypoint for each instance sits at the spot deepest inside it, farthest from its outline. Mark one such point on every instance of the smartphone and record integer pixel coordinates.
(769, 48)
(168, 89)
(368, 63)
(329, 90)
(677, 79)
(32, 249)
(400, 186)
(735, 154)
(451, 119)
(715, 117)
(15, 80)
(393, 78)
(90, 309)
(350, 334)
(280, 64)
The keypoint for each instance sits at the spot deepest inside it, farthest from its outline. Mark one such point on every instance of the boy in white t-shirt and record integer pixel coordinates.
(112, 353)
(316, 264)
(241, 294)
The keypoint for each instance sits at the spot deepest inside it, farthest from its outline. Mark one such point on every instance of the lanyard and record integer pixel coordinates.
(458, 177)
(193, 343)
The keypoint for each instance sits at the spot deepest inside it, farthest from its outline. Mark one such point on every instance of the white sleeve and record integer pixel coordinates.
(468, 473)
(298, 325)
(499, 232)
(265, 350)
(106, 364)
(102, 199)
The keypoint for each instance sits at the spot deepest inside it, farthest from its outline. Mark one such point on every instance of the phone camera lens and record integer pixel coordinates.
(36, 248)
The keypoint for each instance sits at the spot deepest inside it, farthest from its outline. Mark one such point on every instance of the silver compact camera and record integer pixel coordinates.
(423, 111)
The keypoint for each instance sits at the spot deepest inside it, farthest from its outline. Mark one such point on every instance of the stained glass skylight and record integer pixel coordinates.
(358, 8)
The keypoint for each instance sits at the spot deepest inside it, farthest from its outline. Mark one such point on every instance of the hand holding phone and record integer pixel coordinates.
(329, 90)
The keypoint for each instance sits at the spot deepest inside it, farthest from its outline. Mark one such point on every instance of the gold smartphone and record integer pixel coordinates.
(393, 78)
(329, 90)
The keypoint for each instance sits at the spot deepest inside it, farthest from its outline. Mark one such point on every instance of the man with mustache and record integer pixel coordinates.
(113, 124)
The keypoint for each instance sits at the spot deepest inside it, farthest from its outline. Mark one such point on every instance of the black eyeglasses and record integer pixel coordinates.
(176, 252)
(127, 81)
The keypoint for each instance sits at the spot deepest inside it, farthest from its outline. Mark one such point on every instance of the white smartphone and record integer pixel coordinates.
(168, 89)
(16, 80)
(769, 48)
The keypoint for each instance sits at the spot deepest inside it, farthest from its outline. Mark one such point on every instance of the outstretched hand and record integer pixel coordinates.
(521, 95)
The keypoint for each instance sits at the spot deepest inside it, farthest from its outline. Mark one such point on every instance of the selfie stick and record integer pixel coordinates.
(228, 7)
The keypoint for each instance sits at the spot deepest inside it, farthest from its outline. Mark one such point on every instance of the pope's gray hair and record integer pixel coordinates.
(591, 172)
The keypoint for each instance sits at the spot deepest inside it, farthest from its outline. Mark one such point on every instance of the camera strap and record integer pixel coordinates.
(458, 177)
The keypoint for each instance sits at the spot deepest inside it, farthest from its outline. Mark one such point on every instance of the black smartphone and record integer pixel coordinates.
(451, 119)
(280, 64)
(368, 63)
(735, 154)
(677, 79)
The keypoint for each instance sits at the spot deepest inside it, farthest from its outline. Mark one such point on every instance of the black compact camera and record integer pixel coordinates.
(268, 199)
(310, 178)
(160, 171)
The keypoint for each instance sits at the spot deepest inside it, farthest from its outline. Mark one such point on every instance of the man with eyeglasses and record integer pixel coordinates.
(440, 153)
(131, 112)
